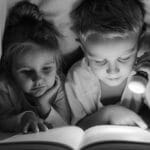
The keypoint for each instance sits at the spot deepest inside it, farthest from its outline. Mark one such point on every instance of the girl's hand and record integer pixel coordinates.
(143, 64)
(120, 115)
(50, 94)
(32, 123)
(44, 102)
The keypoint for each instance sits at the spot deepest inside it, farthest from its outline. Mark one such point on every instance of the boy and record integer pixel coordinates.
(96, 86)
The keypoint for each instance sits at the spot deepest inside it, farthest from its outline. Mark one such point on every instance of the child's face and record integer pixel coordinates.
(35, 71)
(112, 59)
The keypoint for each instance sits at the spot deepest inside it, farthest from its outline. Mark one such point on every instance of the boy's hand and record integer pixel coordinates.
(143, 64)
(32, 123)
(120, 115)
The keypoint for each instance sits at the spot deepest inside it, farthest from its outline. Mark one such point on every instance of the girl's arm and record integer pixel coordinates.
(9, 121)
(53, 106)
(61, 105)
(11, 117)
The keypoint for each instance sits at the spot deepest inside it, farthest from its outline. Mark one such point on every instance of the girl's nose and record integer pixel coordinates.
(38, 79)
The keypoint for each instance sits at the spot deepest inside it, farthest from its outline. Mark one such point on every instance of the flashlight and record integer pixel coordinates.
(138, 82)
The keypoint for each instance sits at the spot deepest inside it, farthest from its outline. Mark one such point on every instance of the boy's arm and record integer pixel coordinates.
(143, 64)
(76, 95)
(96, 118)
(112, 114)
(82, 90)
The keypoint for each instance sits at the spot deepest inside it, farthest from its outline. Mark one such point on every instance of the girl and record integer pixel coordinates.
(31, 92)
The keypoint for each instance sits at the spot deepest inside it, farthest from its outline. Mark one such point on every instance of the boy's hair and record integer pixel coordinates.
(25, 26)
(102, 17)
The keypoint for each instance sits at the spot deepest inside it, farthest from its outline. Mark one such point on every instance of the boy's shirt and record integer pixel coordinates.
(83, 90)
(14, 102)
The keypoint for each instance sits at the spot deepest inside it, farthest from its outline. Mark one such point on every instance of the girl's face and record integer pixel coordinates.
(35, 71)
(112, 60)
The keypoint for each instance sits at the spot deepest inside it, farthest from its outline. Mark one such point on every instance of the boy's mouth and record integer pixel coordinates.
(113, 78)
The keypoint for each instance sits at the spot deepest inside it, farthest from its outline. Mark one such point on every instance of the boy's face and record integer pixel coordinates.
(112, 60)
(35, 71)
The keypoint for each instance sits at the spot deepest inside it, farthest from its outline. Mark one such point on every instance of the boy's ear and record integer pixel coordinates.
(80, 41)
(82, 47)
(143, 30)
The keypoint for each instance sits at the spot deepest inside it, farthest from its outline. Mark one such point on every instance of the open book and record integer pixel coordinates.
(105, 137)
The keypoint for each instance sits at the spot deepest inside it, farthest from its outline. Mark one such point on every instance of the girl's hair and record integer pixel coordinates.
(26, 26)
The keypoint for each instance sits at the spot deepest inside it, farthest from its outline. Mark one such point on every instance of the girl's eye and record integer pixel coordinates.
(47, 69)
(27, 72)
(124, 59)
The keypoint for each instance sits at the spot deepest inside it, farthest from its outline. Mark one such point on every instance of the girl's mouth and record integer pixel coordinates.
(38, 91)
(37, 88)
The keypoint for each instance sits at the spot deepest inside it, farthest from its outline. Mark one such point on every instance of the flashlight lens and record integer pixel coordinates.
(137, 87)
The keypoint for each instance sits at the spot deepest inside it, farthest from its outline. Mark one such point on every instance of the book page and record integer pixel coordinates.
(105, 133)
(69, 135)
(6, 135)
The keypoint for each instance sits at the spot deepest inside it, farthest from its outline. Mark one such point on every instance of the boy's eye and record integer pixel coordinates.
(124, 59)
(101, 62)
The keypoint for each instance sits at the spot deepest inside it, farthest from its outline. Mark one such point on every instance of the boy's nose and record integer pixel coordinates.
(113, 68)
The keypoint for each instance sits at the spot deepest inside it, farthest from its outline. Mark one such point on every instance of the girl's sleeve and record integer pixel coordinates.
(10, 110)
(60, 111)
(3, 12)
(9, 121)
